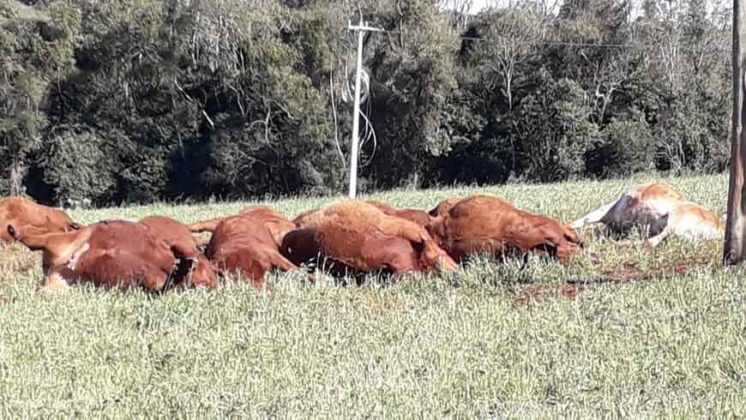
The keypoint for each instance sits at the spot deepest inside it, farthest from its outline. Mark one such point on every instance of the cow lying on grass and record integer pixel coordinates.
(360, 237)
(485, 224)
(277, 224)
(114, 254)
(178, 235)
(32, 218)
(247, 245)
(355, 252)
(659, 211)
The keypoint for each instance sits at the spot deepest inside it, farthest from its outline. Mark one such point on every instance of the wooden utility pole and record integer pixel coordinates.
(734, 251)
(361, 28)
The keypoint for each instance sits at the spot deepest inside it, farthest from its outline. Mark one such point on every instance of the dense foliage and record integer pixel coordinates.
(141, 100)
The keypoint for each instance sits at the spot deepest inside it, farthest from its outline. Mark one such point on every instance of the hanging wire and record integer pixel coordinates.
(369, 134)
(347, 92)
(334, 116)
(543, 42)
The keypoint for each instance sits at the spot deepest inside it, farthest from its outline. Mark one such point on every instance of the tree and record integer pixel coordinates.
(36, 48)
(626, 147)
(412, 74)
(555, 132)
(144, 100)
(508, 41)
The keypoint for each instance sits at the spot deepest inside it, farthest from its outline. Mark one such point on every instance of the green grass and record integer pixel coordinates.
(454, 347)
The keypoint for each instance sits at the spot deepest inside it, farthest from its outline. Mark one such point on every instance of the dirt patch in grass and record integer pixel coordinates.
(628, 272)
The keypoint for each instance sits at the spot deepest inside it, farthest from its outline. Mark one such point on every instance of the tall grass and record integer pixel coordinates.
(453, 346)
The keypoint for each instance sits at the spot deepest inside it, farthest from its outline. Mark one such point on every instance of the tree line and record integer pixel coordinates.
(144, 100)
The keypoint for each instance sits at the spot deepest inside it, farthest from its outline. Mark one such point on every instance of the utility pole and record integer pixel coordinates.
(361, 29)
(735, 230)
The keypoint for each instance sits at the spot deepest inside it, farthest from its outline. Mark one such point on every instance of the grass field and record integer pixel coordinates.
(459, 346)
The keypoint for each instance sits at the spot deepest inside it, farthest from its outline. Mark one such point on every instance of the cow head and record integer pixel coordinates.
(203, 273)
(433, 257)
(193, 269)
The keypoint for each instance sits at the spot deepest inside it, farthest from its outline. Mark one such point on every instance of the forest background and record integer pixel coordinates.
(112, 102)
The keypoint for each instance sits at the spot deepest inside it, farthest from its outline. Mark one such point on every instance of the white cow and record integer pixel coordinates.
(658, 210)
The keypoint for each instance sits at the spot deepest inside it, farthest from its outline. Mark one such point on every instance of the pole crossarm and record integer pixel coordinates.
(363, 28)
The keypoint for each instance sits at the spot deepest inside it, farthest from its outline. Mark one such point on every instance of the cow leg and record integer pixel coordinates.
(394, 226)
(596, 216)
(279, 261)
(436, 257)
(52, 282)
(248, 263)
(205, 225)
(652, 242)
(153, 279)
(401, 264)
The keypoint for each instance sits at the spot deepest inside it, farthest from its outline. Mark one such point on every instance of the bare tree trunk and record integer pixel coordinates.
(734, 251)
(16, 179)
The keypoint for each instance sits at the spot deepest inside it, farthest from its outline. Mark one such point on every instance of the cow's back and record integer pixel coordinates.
(277, 224)
(133, 238)
(170, 230)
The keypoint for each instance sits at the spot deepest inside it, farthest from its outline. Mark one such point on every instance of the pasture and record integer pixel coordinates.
(467, 344)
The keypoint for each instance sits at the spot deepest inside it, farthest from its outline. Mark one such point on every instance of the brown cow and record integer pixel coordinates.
(32, 218)
(420, 217)
(109, 254)
(277, 224)
(373, 251)
(300, 248)
(360, 236)
(245, 244)
(660, 211)
(481, 223)
(176, 234)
